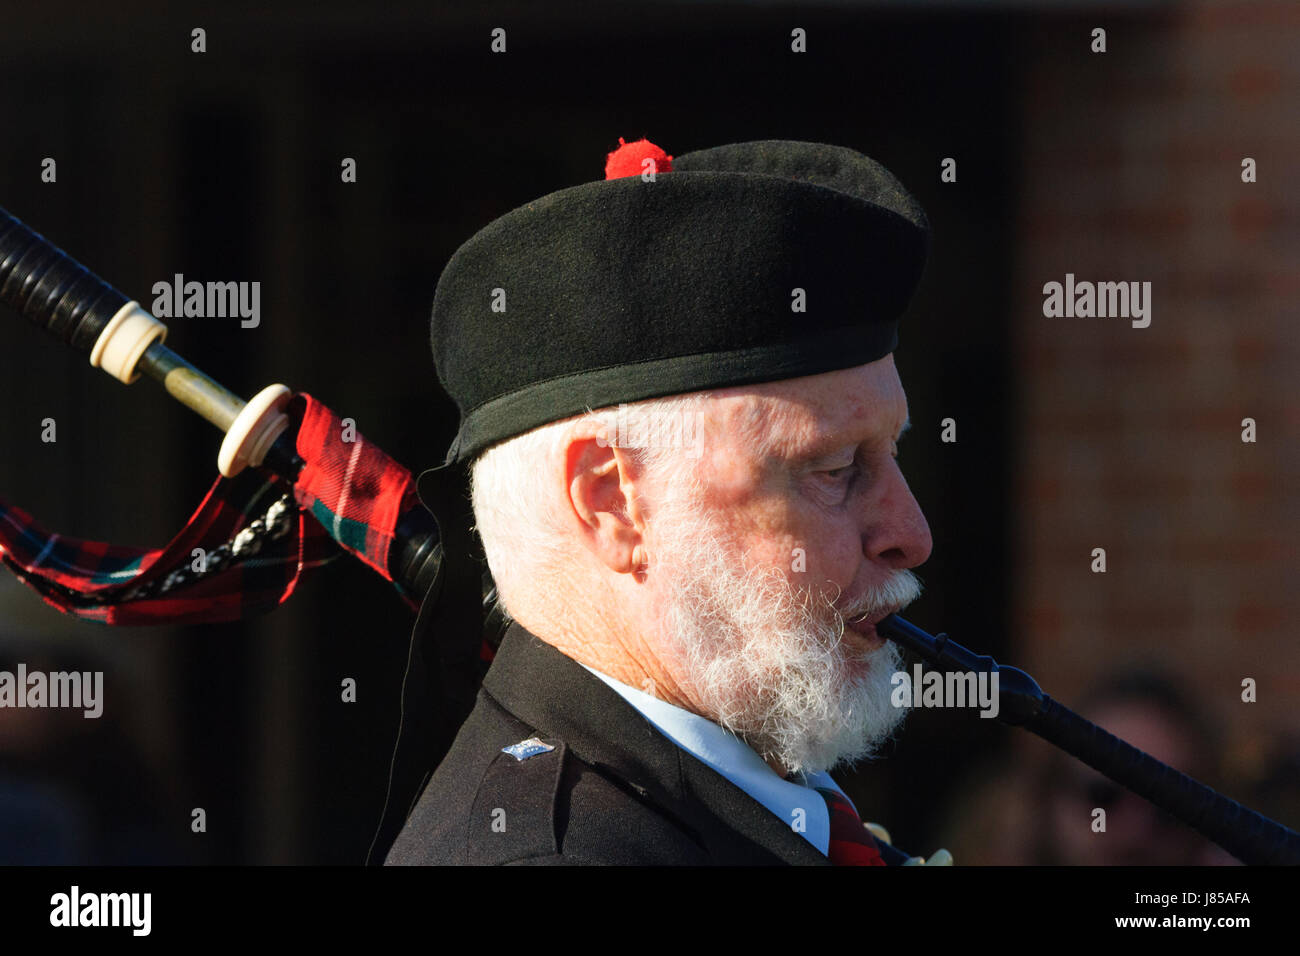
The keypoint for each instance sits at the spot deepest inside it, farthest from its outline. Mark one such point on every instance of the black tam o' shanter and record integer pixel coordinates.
(744, 263)
(741, 264)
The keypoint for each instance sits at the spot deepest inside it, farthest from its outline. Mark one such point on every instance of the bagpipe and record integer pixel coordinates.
(298, 488)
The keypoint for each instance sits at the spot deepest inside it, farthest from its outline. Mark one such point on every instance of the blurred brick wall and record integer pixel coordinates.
(1131, 438)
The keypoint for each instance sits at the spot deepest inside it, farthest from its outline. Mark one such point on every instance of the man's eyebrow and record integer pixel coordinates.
(823, 452)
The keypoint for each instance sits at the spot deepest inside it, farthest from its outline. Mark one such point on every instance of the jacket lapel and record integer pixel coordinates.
(557, 696)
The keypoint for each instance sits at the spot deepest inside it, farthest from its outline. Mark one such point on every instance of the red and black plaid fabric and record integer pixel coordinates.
(352, 488)
(348, 494)
(850, 844)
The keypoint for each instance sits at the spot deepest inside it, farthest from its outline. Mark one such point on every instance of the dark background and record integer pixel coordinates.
(225, 165)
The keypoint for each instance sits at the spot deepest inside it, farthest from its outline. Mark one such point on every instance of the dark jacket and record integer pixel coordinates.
(613, 791)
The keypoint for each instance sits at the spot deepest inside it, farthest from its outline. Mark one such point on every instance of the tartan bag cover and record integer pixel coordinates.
(258, 534)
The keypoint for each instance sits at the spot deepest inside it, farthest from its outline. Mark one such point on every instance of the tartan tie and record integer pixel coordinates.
(850, 844)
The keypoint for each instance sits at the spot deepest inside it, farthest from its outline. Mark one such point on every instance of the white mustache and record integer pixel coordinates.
(897, 592)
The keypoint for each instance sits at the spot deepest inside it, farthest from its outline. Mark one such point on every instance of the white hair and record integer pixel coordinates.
(520, 506)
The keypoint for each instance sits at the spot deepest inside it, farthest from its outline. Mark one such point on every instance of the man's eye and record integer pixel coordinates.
(839, 474)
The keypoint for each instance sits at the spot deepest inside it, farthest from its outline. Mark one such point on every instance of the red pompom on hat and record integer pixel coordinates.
(629, 159)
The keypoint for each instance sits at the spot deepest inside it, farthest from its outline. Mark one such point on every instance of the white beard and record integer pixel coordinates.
(768, 662)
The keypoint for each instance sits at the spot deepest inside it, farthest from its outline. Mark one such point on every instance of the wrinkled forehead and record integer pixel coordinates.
(810, 415)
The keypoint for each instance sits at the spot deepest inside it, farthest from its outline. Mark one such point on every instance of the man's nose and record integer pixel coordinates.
(896, 532)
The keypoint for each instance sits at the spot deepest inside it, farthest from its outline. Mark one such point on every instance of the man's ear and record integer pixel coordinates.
(602, 485)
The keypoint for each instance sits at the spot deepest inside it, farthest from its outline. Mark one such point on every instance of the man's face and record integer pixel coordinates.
(799, 519)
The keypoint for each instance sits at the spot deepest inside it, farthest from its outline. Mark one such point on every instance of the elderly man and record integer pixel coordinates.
(685, 484)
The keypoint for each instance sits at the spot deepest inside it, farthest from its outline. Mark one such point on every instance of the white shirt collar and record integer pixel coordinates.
(798, 805)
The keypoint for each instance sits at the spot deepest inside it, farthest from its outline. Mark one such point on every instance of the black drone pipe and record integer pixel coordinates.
(1247, 835)
(63, 297)
(69, 301)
